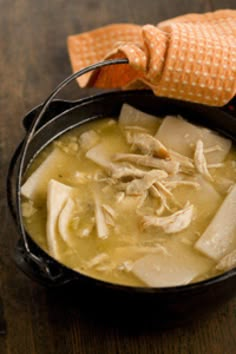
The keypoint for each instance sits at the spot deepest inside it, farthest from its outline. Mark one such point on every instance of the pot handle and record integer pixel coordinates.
(32, 264)
(49, 273)
(22, 258)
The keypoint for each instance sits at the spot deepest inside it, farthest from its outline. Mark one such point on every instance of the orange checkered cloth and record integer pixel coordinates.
(190, 57)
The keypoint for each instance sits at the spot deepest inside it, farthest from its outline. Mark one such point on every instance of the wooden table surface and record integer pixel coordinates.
(33, 59)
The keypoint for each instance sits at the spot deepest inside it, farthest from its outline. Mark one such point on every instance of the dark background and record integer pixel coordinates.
(33, 60)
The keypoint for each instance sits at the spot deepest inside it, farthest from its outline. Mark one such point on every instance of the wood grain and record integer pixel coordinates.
(33, 59)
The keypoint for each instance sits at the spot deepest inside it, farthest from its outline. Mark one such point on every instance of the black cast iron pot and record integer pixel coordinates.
(163, 305)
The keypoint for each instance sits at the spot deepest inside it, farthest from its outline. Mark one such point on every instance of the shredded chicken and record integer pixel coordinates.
(155, 192)
(139, 186)
(169, 166)
(142, 199)
(120, 171)
(173, 223)
(167, 192)
(109, 214)
(186, 164)
(200, 161)
(149, 145)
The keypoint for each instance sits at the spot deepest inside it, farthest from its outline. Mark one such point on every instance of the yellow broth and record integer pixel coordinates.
(111, 258)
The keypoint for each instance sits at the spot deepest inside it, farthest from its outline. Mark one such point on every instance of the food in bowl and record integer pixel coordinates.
(139, 201)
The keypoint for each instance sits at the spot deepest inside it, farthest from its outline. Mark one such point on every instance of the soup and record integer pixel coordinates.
(140, 201)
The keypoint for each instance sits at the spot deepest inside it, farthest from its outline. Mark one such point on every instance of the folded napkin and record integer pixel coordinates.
(190, 57)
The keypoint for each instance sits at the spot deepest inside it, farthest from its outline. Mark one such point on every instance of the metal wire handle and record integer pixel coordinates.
(41, 263)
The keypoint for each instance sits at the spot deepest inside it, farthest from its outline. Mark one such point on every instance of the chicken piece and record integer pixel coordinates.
(88, 139)
(200, 161)
(158, 190)
(173, 223)
(120, 172)
(186, 163)
(149, 145)
(139, 186)
(169, 166)
(227, 262)
(163, 201)
(165, 191)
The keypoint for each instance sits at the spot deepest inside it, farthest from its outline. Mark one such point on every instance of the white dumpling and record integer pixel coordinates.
(181, 136)
(64, 220)
(57, 196)
(130, 116)
(177, 267)
(35, 187)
